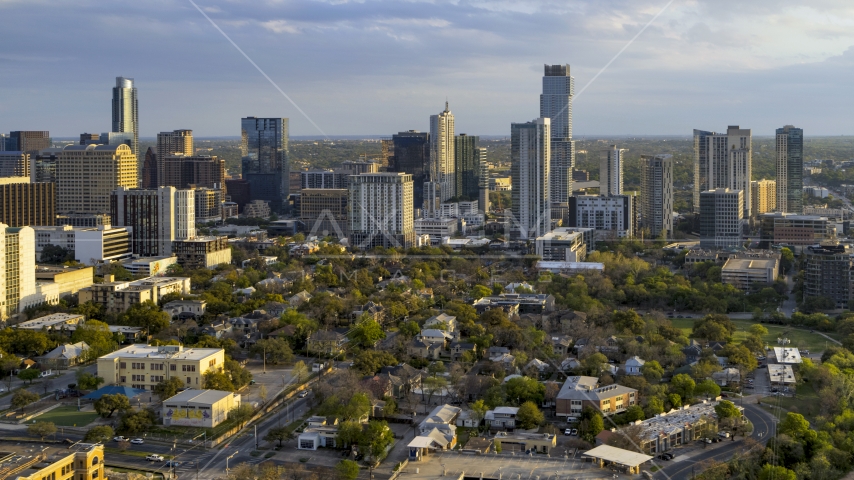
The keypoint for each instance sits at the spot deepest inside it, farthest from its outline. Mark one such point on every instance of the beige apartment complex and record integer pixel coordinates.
(763, 196)
(116, 297)
(144, 366)
(87, 174)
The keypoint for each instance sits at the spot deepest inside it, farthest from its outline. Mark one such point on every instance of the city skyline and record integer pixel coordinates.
(658, 75)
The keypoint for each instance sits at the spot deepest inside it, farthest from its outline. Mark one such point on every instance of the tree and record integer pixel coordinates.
(652, 371)
(241, 414)
(28, 375)
(134, 422)
(238, 376)
(97, 336)
(787, 259)
(214, 380)
(683, 385)
(378, 438)
(593, 364)
(369, 362)
(367, 332)
(100, 434)
(794, 425)
(654, 406)
(714, 327)
(478, 409)
(529, 416)
(276, 350)
(628, 320)
(409, 329)
(300, 371)
(741, 356)
(41, 429)
(757, 330)
(726, 409)
(87, 381)
(633, 413)
(107, 404)
(524, 389)
(347, 470)
(707, 388)
(591, 424)
(9, 363)
(56, 255)
(168, 388)
(772, 472)
(349, 433)
(279, 434)
(22, 398)
(148, 316)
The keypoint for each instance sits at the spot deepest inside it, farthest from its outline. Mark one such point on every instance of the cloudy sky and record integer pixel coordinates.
(377, 67)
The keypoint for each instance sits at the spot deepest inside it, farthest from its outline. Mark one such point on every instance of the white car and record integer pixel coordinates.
(137, 441)
(567, 432)
(154, 458)
(121, 439)
(303, 394)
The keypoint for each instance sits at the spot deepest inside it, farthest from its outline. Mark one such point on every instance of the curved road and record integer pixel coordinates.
(763, 426)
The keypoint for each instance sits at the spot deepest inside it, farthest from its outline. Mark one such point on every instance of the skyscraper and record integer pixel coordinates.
(176, 142)
(790, 169)
(721, 218)
(17, 269)
(556, 104)
(442, 154)
(530, 159)
(380, 210)
(182, 171)
(87, 174)
(14, 164)
(763, 195)
(611, 171)
(412, 156)
(472, 174)
(149, 169)
(264, 146)
(29, 141)
(656, 195)
(23, 203)
(157, 217)
(723, 160)
(126, 112)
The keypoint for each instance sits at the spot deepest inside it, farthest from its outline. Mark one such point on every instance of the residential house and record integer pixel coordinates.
(459, 348)
(298, 299)
(444, 322)
(579, 392)
(185, 309)
(403, 379)
(569, 363)
(580, 345)
(561, 345)
(64, 356)
(467, 419)
(432, 441)
(432, 335)
(611, 345)
(420, 349)
(502, 418)
(504, 358)
(328, 343)
(443, 417)
(511, 287)
(540, 365)
(727, 377)
(634, 365)
(373, 310)
(217, 329)
(692, 352)
(493, 351)
(276, 309)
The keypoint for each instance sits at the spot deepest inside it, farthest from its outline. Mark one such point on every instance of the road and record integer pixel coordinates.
(61, 381)
(678, 468)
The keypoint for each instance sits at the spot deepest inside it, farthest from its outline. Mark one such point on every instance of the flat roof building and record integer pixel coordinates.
(116, 297)
(787, 355)
(744, 270)
(51, 322)
(199, 408)
(144, 366)
(781, 375)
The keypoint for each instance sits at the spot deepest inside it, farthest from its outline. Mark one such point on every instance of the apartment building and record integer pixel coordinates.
(202, 252)
(580, 392)
(27, 204)
(565, 244)
(116, 297)
(144, 366)
(794, 230)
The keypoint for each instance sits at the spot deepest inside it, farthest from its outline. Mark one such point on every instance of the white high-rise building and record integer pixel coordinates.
(443, 163)
(656, 197)
(723, 160)
(556, 105)
(156, 217)
(380, 210)
(17, 270)
(530, 160)
(611, 171)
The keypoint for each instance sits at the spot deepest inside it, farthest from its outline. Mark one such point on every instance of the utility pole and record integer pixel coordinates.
(256, 437)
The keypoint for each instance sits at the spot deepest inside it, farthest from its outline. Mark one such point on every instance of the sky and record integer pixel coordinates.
(379, 67)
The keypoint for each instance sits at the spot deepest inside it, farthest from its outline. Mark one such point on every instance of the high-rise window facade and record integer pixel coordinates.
(656, 196)
(264, 146)
(530, 157)
(126, 111)
(556, 104)
(790, 169)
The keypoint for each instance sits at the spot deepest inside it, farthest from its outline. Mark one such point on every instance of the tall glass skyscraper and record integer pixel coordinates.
(264, 146)
(529, 170)
(126, 111)
(790, 169)
(556, 105)
(472, 173)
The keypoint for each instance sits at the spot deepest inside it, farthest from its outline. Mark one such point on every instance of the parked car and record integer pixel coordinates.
(723, 434)
(574, 431)
(46, 374)
(137, 441)
(121, 439)
(154, 458)
(303, 394)
(567, 432)
(663, 457)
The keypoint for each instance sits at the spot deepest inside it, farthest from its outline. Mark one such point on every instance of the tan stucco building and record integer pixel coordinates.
(86, 463)
(199, 408)
(144, 366)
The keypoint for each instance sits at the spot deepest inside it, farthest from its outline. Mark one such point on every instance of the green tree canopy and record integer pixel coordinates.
(87, 381)
(29, 374)
(772, 472)
(97, 335)
(99, 434)
(683, 385)
(529, 416)
(41, 429)
(367, 332)
(276, 350)
(168, 388)
(652, 371)
(107, 404)
(707, 388)
(726, 409)
(22, 398)
(714, 327)
(347, 470)
(146, 315)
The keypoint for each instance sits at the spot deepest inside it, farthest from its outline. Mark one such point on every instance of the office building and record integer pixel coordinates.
(323, 211)
(126, 113)
(656, 195)
(208, 205)
(723, 160)
(23, 203)
(144, 366)
(443, 165)
(743, 270)
(149, 266)
(721, 218)
(610, 216)
(118, 138)
(611, 171)
(187, 171)
(101, 244)
(318, 179)
(202, 252)
(17, 270)
(565, 245)
(149, 169)
(156, 218)
(84, 219)
(28, 142)
(90, 139)
(43, 165)
(86, 461)
(14, 164)
(88, 174)
(199, 408)
(238, 191)
(556, 105)
(380, 210)
(794, 230)
(763, 194)
(790, 169)
(257, 209)
(437, 228)
(827, 272)
(412, 155)
(69, 280)
(530, 159)
(472, 171)
(264, 147)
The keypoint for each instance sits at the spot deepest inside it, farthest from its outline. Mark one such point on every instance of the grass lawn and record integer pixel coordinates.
(800, 338)
(67, 416)
(805, 402)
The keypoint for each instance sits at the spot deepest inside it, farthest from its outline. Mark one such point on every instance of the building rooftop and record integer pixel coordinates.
(665, 423)
(789, 355)
(174, 352)
(50, 320)
(555, 265)
(781, 373)
(618, 455)
(750, 264)
(206, 397)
